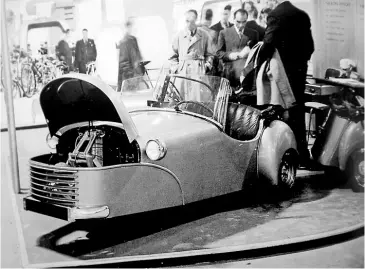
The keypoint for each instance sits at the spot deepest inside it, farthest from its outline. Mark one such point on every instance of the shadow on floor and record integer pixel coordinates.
(128, 233)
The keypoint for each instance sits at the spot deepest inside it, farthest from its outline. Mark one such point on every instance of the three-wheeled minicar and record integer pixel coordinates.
(190, 144)
(340, 142)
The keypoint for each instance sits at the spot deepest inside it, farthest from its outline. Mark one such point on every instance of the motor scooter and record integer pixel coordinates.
(340, 139)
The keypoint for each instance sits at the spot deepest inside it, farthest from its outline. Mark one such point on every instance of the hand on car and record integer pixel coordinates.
(208, 66)
(233, 56)
(244, 53)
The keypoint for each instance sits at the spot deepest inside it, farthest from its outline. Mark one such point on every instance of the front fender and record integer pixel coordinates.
(275, 141)
(352, 139)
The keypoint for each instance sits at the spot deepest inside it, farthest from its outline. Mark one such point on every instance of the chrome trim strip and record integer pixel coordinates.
(56, 187)
(95, 213)
(54, 181)
(172, 174)
(196, 115)
(54, 199)
(86, 123)
(54, 175)
(55, 193)
(52, 168)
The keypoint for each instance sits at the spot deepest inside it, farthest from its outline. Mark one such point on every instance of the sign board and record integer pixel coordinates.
(338, 28)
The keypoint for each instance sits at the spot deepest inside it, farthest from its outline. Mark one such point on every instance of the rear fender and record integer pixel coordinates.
(352, 140)
(276, 139)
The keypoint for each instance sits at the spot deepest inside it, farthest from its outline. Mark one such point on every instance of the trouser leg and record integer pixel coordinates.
(296, 122)
(82, 67)
(296, 119)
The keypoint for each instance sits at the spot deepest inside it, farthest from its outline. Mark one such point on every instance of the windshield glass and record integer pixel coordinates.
(136, 92)
(199, 94)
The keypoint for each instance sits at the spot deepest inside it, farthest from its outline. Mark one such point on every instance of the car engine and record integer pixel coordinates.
(95, 146)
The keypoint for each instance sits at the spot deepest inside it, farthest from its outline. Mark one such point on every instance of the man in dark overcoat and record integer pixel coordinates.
(130, 57)
(64, 52)
(231, 43)
(289, 31)
(85, 52)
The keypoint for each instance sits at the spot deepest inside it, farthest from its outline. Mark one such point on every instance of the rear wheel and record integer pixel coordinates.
(288, 169)
(355, 171)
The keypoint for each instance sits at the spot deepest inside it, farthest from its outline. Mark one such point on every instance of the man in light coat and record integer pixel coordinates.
(192, 49)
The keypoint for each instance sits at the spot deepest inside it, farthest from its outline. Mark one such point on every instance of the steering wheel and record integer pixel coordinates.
(195, 103)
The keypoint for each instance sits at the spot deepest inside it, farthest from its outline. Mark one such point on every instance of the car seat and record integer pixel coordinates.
(242, 121)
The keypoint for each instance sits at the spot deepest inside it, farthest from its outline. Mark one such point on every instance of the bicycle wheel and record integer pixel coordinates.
(16, 89)
(28, 80)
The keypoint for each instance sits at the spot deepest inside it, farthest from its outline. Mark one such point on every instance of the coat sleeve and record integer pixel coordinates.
(209, 50)
(309, 38)
(61, 50)
(254, 39)
(95, 53)
(221, 48)
(270, 39)
(174, 58)
(77, 52)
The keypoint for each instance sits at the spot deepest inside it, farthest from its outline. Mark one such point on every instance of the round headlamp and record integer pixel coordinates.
(51, 141)
(155, 149)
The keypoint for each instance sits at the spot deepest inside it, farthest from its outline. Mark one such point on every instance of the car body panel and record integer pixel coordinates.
(220, 162)
(63, 103)
(201, 160)
(328, 153)
(352, 140)
(126, 188)
(276, 139)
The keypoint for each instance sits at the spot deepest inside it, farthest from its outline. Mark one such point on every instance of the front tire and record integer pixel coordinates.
(355, 171)
(288, 170)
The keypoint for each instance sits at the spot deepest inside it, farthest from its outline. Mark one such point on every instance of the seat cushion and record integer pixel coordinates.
(242, 121)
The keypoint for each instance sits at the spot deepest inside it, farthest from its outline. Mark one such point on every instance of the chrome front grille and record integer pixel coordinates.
(53, 185)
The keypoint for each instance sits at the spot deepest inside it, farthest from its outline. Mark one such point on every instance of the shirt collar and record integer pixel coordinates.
(237, 30)
(224, 26)
(187, 32)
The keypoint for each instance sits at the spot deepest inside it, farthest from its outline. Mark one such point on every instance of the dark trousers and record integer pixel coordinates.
(81, 66)
(296, 121)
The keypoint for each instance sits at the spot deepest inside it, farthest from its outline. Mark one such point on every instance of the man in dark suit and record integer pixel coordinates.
(251, 9)
(64, 52)
(217, 28)
(289, 31)
(223, 23)
(85, 52)
(129, 56)
(231, 44)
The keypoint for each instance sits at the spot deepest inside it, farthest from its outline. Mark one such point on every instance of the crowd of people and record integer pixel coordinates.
(222, 50)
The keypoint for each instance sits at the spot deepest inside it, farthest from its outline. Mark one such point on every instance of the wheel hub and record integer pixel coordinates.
(288, 174)
(360, 176)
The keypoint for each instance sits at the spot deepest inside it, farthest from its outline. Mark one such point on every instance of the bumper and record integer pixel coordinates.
(63, 212)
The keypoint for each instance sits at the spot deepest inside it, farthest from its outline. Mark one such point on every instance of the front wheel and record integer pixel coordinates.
(355, 171)
(288, 169)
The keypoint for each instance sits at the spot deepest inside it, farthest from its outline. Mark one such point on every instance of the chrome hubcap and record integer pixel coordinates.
(360, 175)
(288, 174)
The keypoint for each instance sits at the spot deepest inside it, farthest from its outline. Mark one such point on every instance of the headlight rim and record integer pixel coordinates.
(162, 149)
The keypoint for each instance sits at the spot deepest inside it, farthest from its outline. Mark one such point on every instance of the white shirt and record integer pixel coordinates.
(240, 33)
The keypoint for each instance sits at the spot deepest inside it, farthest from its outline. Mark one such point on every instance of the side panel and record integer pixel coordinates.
(352, 139)
(326, 149)
(129, 189)
(207, 161)
(276, 139)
